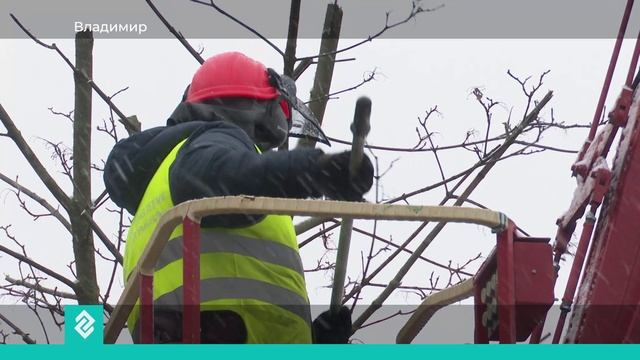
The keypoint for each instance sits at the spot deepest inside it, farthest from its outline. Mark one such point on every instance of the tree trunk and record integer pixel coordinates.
(83, 250)
(290, 52)
(292, 37)
(324, 72)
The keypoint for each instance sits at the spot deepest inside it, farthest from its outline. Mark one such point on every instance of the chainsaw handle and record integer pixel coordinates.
(360, 129)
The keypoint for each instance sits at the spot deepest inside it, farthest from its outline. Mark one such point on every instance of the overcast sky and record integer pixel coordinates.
(413, 75)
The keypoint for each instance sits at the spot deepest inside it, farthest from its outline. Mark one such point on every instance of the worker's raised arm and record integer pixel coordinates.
(219, 159)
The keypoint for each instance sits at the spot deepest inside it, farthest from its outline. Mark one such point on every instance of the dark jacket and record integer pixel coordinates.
(218, 159)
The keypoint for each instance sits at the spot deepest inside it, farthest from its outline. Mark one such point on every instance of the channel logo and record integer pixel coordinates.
(83, 324)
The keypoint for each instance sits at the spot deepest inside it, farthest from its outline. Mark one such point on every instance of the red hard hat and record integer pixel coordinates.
(231, 74)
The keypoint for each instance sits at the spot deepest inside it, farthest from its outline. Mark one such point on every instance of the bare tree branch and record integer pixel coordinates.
(130, 123)
(428, 136)
(111, 129)
(487, 161)
(239, 22)
(52, 186)
(55, 292)
(495, 154)
(292, 37)
(63, 154)
(38, 266)
(545, 147)
(21, 189)
(120, 241)
(408, 287)
(176, 33)
(319, 234)
(392, 244)
(415, 10)
(487, 104)
(32, 294)
(31, 157)
(104, 238)
(367, 78)
(55, 213)
(463, 144)
(16, 330)
(324, 71)
(68, 116)
(398, 313)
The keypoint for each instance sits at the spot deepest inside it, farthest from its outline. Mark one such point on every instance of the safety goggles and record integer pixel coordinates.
(302, 122)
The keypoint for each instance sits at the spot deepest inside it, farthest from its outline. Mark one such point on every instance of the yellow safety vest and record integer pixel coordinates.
(254, 271)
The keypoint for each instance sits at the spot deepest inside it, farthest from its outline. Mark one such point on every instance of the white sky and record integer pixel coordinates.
(414, 75)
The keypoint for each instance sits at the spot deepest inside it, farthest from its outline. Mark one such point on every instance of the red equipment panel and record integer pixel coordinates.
(607, 308)
(513, 288)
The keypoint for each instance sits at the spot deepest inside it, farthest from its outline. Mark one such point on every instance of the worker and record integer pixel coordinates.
(219, 142)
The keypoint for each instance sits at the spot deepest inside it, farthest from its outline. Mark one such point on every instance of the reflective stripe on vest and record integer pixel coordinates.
(263, 250)
(234, 288)
(254, 271)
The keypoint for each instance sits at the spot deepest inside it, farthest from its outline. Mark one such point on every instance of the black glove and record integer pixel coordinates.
(329, 328)
(336, 182)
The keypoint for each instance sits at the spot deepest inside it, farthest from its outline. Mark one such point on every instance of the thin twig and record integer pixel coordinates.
(55, 213)
(366, 79)
(38, 266)
(239, 22)
(129, 124)
(457, 146)
(55, 292)
(68, 116)
(408, 287)
(319, 234)
(392, 244)
(415, 10)
(31, 157)
(115, 263)
(428, 136)
(495, 154)
(398, 313)
(21, 189)
(176, 33)
(37, 289)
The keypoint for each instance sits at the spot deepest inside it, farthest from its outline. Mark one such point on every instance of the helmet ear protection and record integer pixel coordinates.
(302, 121)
